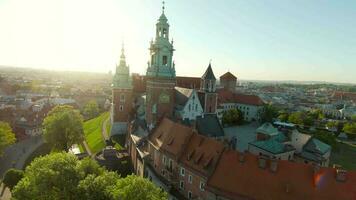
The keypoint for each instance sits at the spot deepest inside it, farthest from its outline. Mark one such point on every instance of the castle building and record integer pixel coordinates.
(122, 101)
(160, 75)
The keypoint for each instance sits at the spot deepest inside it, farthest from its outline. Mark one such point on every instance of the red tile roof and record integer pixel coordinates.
(226, 96)
(201, 154)
(293, 181)
(228, 76)
(170, 137)
(340, 95)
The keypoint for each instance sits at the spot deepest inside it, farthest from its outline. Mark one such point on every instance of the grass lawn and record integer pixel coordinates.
(92, 132)
(344, 156)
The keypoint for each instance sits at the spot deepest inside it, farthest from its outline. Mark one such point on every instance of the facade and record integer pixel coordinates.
(250, 105)
(188, 106)
(122, 102)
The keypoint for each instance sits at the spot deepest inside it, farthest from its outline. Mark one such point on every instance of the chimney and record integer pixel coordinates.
(273, 165)
(262, 160)
(287, 188)
(341, 175)
(316, 168)
(242, 157)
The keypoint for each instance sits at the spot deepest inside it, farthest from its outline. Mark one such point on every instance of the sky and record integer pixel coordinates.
(304, 40)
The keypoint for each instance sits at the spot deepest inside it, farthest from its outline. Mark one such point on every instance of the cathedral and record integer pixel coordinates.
(164, 93)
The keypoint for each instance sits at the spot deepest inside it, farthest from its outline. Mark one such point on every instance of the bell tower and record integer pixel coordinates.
(122, 101)
(160, 74)
(208, 87)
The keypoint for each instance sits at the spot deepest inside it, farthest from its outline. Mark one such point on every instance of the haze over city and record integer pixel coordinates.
(260, 40)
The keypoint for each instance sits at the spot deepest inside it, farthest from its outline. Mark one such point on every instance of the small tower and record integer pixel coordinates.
(208, 87)
(122, 96)
(160, 75)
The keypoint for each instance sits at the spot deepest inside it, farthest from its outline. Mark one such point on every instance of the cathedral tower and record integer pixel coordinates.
(160, 74)
(122, 96)
(208, 87)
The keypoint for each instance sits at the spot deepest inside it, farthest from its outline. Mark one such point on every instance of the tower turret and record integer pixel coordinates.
(122, 102)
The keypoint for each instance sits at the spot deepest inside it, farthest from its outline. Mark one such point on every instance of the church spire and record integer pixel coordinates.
(122, 56)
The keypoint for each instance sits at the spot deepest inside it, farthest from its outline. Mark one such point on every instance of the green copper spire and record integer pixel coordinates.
(122, 77)
(161, 51)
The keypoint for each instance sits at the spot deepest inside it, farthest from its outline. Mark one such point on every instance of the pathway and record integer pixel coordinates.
(15, 157)
(104, 132)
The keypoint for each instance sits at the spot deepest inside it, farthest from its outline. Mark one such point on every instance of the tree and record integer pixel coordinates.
(7, 137)
(63, 127)
(91, 109)
(63, 176)
(283, 117)
(232, 117)
(12, 177)
(350, 130)
(326, 137)
(296, 118)
(269, 113)
(353, 118)
(136, 188)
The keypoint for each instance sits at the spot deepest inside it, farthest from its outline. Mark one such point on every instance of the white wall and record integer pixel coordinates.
(250, 111)
(195, 107)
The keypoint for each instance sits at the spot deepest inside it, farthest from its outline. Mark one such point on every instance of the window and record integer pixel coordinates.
(182, 171)
(170, 165)
(122, 98)
(121, 107)
(190, 179)
(196, 107)
(181, 185)
(165, 60)
(189, 107)
(190, 195)
(164, 160)
(202, 185)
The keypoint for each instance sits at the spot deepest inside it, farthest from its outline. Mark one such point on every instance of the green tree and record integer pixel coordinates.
(12, 177)
(232, 117)
(332, 124)
(296, 118)
(353, 118)
(91, 109)
(327, 138)
(283, 117)
(63, 176)
(63, 127)
(269, 113)
(350, 130)
(136, 188)
(7, 137)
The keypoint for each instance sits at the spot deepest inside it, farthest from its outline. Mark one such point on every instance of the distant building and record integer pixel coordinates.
(250, 105)
(228, 81)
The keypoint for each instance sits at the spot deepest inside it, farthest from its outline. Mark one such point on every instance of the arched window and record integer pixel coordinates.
(164, 60)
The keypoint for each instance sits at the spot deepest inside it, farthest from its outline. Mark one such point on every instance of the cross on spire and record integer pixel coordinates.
(163, 7)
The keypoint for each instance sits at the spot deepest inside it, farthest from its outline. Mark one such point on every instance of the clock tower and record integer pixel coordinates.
(161, 75)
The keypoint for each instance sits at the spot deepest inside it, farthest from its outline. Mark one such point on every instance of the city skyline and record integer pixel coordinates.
(274, 40)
